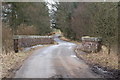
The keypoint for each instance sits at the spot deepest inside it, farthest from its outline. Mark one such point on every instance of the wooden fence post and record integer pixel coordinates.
(15, 45)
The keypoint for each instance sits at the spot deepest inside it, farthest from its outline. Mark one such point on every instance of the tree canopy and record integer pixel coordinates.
(15, 13)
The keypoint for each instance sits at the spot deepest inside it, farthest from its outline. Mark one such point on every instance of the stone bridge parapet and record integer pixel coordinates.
(22, 41)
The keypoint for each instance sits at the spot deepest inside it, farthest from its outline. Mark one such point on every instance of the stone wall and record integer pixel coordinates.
(27, 42)
(90, 44)
(22, 41)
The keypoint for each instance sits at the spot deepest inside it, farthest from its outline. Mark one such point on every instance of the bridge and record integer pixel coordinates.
(22, 41)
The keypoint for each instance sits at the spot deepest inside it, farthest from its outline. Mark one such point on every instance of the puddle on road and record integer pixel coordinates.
(72, 55)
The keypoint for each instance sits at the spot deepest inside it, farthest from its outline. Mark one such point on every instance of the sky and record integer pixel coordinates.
(51, 9)
(50, 6)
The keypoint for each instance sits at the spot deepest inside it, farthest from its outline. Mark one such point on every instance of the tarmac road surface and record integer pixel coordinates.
(56, 60)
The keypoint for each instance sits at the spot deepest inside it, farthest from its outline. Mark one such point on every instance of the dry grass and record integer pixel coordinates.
(7, 42)
(11, 62)
(101, 58)
(68, 40)
(7, 35)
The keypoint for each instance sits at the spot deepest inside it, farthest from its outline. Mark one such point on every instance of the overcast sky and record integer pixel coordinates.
(50, 6)
(51, 2)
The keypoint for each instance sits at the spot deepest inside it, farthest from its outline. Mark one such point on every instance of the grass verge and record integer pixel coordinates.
(101, 59)
(11, 62)
(101, 62)
(68, 40)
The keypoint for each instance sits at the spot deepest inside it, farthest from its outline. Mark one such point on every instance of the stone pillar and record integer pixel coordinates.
(91, 44)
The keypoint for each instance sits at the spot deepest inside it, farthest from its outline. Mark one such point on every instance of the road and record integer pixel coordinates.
(55, 61)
